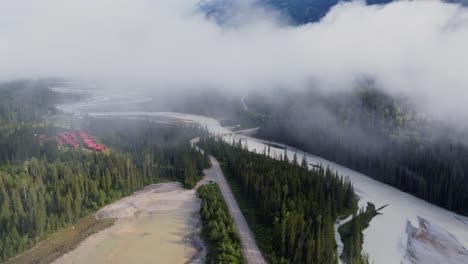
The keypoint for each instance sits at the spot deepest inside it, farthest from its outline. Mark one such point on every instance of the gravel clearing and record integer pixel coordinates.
(159, 224)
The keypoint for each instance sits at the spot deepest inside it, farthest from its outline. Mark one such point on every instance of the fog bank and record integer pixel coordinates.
(416, 48)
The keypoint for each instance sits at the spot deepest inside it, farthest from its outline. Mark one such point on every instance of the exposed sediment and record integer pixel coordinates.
(430, 244)
(158, 224)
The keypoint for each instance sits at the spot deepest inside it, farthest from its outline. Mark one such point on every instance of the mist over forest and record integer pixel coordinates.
(413, 49)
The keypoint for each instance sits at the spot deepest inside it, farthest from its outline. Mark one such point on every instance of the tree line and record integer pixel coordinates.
(218, 227)
(157, 149)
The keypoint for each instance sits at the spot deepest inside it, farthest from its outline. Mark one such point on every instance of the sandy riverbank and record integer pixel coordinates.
(156, 225)
(429, 244)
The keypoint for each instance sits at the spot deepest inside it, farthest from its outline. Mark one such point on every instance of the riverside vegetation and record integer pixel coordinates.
(291, 209)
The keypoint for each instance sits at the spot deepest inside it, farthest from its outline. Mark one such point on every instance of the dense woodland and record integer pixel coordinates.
(20, 142)
(44, 188)
(157, 150)
(373, 133)
(25, 101)
(218, 227)
(296, 207)
(42, 194)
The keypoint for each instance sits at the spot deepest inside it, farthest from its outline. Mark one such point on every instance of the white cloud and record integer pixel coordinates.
(418, 48)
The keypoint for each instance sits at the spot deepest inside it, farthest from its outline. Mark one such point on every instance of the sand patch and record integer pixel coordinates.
(156, 225)
(154, 198)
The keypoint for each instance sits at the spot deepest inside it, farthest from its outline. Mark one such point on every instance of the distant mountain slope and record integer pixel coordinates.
(299, 11)
(305, 11)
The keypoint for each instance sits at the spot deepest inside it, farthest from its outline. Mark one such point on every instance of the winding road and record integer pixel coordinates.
(250, 249)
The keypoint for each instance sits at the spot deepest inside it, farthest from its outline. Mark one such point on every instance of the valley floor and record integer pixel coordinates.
(391, 225)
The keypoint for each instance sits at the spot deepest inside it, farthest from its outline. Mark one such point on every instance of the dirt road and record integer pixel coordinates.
(249, 248)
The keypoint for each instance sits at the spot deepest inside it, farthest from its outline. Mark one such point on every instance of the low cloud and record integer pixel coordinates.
(411, 48)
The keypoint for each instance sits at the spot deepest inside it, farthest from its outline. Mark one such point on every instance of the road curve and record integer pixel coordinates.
(250, 249)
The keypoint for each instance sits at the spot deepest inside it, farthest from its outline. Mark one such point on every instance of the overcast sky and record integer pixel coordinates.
(416, 48)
